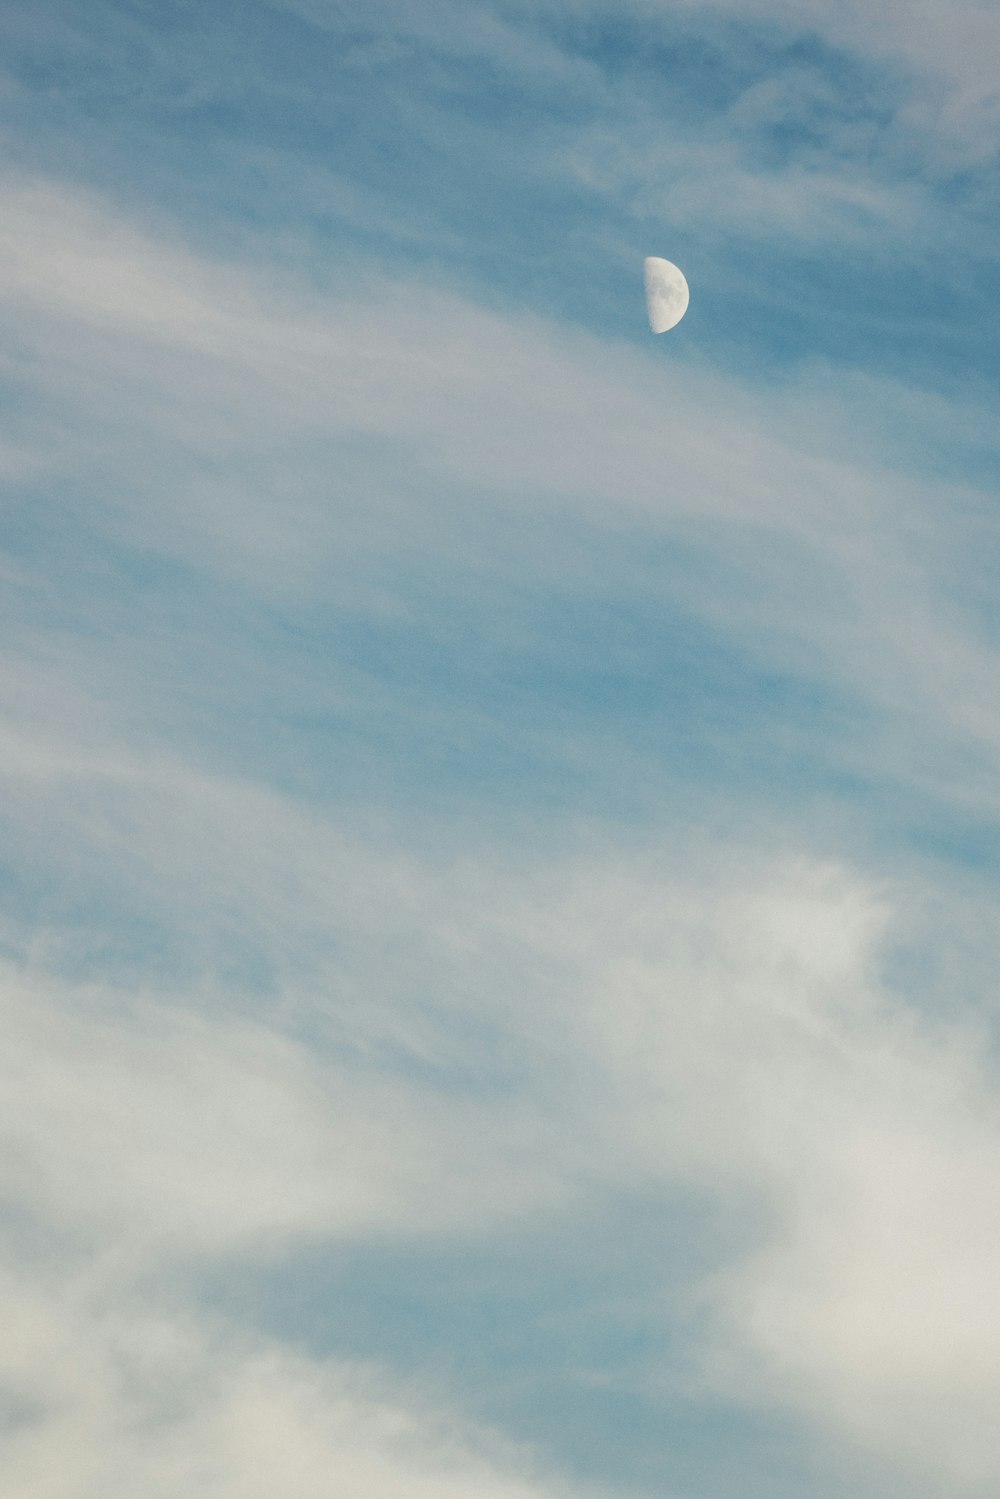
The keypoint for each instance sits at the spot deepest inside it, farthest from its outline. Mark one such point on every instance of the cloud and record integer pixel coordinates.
(823, 124)
(933, 61)
(710, 183)
(752, 1048)
(452, 30)
(446, 1039)
(715, 1020)
(946, 49)
(722, 1026)
(148, 1122)
(825, 121)
(875, 1145)
(294, 520)
(163, 392)
(132, 1397)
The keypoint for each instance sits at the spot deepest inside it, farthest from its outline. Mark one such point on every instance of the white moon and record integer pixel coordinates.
(667, 294)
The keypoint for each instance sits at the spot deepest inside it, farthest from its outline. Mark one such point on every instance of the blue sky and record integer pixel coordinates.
(500, 812)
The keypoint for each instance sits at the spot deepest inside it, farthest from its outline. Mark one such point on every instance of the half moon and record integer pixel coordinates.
(667, 293)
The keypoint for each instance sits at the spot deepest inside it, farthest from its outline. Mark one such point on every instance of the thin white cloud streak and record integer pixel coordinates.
(713, 181)
(948, 50)
(953, 44)
(935, 61)
(482, 32)
(784, 159)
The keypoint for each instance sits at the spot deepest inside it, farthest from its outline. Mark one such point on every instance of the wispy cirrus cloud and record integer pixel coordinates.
(152, 371)
(940, 56)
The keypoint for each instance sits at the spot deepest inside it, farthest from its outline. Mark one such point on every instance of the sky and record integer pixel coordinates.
(500, 812)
